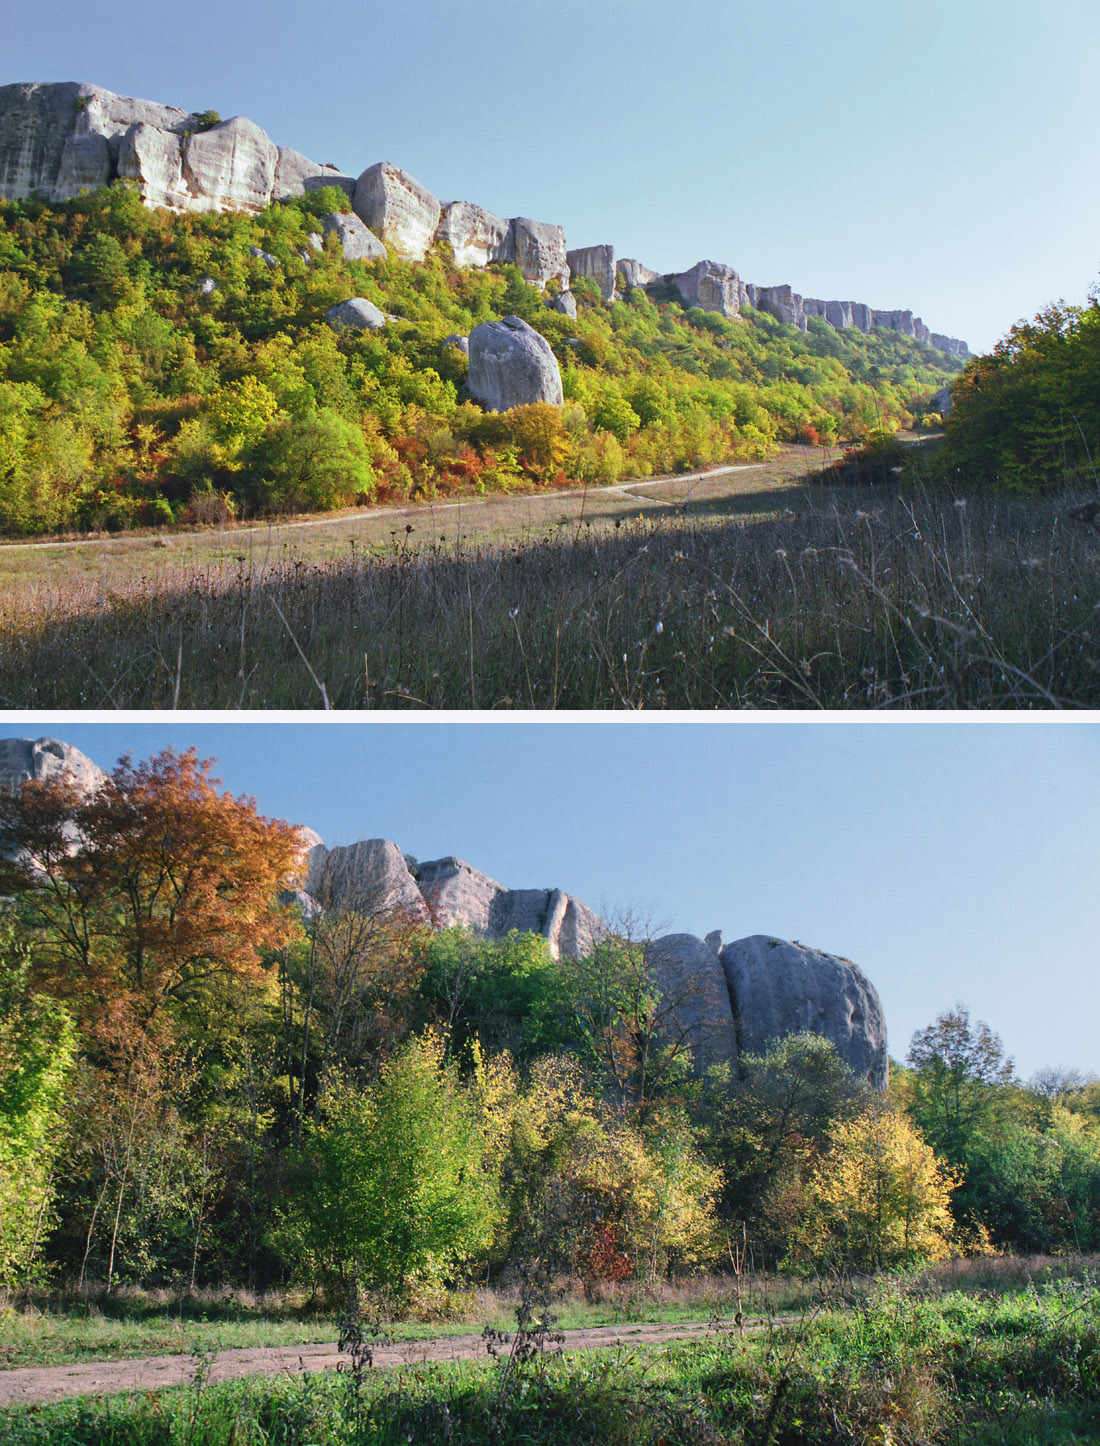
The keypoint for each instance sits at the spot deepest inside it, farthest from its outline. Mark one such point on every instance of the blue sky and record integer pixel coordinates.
(938, 156)
(951, 861)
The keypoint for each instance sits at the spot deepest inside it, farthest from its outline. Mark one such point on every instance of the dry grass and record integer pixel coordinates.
(906, 602)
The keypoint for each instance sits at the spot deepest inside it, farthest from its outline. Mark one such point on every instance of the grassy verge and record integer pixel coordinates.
(905, 1366)
(56, 1330)
(907, 602)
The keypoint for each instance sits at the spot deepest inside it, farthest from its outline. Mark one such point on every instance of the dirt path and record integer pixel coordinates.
(746, 488)
(38, 1384)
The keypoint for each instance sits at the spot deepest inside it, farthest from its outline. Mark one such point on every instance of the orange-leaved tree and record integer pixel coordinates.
(140, 897)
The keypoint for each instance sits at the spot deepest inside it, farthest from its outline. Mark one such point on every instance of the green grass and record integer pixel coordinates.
(906, 1366)
(61, 1329)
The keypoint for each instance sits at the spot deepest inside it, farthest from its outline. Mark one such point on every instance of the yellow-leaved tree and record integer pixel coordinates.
(877, 1197)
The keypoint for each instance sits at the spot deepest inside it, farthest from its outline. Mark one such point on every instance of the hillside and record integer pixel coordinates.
(160, 364)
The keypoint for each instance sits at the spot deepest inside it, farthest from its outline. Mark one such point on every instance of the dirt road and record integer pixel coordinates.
(39, 1384)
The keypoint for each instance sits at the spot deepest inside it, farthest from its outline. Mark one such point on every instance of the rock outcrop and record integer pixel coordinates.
(59, 139)
(942, 401)
(231, 166)
(357, 241)
(540, 251)
(782, 302)
(476, 237)
(950, 344)
(631, 273)
(709, 285)
(778, 988)
(695, 1001)
(597, 263)
(723, 1001)
(24, 760)
(565, 303)
(355, 314)
(511, 365)
(400, 211)
(371, 875)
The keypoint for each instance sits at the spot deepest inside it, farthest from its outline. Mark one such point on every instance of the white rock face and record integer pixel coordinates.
(296, 174)
(151, 157)
(783, 303)
(399, 210)
(632, 273)
(540, 251)
(475, 235)
(597, 262)
(356, 241)
(356, 314)
(24, 760)
(566, 303)
(695, 996)
(456, 893)
(512, 365)
(710, 285)
(230, 167)
(778, 988)
(371, 875)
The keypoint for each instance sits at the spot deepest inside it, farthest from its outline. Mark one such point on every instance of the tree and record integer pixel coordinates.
(36, 1050)
(959, 1073)
(631, 1030)
(391, 1190)
(769, 1125)
(877, 1198)
(142, 897)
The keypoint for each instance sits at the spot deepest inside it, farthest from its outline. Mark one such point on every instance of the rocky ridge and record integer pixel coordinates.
(58, 139)
(726, 1000)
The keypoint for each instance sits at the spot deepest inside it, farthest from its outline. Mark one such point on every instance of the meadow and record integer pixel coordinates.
(988, 1357)
(784, 593)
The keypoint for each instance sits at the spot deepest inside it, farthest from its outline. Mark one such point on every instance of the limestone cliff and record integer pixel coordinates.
(59, 139)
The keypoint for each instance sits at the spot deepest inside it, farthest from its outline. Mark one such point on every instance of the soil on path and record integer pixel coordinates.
(36, 1385)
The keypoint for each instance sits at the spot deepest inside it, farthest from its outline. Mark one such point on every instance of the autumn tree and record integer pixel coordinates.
(143, 898)
(876, 1198)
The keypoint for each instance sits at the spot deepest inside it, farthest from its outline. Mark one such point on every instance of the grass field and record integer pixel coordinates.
(905, 1362)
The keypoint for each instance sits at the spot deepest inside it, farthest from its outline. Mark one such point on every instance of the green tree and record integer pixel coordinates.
(37, 1042)
(392, 1190)
(959, 1074)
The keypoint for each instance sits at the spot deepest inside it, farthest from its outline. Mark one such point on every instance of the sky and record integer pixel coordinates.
(936, 156)
(952, 861)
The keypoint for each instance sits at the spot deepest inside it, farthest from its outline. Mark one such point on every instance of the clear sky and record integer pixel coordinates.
(937, 156)
(951, 861)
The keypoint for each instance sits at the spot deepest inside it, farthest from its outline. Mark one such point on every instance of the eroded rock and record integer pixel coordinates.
(355, 314)
(475, 235)
(566, 303)
(399, 210)
(695, 997)
(512, 365)
(229, 167)
(597, 263)
(540, 251)
(779, 988)
(710, 285)
(782, 302)
(357, 241)
(371, 876)
(24, 760)
(631, 273)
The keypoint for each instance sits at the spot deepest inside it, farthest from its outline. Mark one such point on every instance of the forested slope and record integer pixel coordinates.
(132, 391)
